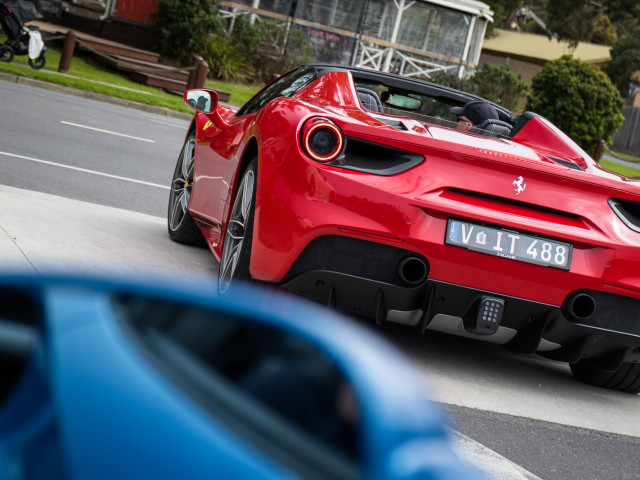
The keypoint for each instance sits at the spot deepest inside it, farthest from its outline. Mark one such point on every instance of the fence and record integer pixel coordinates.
(409, 37)
(627, 138)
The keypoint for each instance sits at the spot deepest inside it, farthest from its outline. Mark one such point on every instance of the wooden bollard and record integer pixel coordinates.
(191, 82)
(68, 47)
(201, 74)
(599, 150)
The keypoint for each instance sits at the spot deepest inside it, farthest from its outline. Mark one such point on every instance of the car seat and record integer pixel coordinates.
(495, 127)
(369, 99)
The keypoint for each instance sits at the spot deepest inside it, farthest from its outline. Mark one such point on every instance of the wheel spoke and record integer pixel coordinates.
(184, 200)
(247, 196)
(187, 159)
(177, 211)
(178, 185)
(236, 232)
(229, 263)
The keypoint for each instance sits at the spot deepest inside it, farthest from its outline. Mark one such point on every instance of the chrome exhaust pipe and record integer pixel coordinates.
(412, 270)
(581, 306)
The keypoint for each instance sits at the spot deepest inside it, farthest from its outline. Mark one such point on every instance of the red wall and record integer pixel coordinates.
(136, 10)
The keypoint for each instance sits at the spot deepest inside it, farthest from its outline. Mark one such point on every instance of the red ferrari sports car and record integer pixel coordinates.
(354, 188)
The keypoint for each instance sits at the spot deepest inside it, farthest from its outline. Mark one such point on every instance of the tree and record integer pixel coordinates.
(579, 98)
(571, 20)
(625, 61)
(604, 33)
(499, 85)
(590, 21)
(181, 28)
(503, 11)
(496, 84)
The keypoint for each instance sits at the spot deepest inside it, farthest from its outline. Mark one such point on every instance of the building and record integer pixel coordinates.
(527, 53)
(409, 37)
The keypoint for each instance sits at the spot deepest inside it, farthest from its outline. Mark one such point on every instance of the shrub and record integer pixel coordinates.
(226, 61)
(181, 28)
(499, 85)
(579, 98)
(496, 84)
(253, 51)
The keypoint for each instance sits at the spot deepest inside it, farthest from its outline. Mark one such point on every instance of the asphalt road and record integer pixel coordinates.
(87, 150)
(66, 162)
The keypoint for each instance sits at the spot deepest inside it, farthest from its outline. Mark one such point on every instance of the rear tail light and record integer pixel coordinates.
(322, 140)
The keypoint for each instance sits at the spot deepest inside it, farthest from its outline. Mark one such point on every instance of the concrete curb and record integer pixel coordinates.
(52, 87)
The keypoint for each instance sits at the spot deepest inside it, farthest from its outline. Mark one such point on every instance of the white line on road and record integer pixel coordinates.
(494, 465)
(106, 131)
(182, 125)
(78, 169)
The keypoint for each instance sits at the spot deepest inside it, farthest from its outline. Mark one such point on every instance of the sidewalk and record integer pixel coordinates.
(42, 233)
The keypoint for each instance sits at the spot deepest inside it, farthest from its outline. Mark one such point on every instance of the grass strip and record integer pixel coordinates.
(85, 75)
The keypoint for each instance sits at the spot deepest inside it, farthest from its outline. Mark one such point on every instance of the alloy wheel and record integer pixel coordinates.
(236, 231)
(182, 185)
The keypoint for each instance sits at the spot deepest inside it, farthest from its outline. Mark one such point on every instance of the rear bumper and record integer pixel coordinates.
(388, 284)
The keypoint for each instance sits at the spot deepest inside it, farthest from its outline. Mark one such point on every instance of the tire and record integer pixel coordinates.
(6, 54)
(236, 249)
(39, 62)
(182, 228)
(625, 379)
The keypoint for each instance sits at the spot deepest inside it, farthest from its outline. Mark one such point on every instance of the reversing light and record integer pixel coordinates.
(321, 140)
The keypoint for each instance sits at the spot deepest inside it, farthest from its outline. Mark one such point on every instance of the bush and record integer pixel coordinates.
(226, 61)
(499, 85)
(579, 98)
(253, 51)
(496, 84)
(181, 28)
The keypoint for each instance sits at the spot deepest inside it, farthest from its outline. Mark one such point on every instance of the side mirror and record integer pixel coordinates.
(160, 381)
(205, 101)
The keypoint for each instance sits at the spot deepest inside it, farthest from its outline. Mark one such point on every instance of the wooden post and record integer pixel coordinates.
(599, 150)
(68, 47)
(191, 82)
(201, 74)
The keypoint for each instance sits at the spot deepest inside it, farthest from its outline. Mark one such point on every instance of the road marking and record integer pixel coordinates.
(183, 125)
(78, 169)
(494, 465)
(107, 131)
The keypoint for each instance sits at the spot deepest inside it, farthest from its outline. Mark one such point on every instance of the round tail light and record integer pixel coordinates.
(321, 140)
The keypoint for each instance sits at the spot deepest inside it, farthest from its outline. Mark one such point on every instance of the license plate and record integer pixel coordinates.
(509, 244)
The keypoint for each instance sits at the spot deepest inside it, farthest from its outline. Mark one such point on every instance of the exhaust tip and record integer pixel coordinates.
(581, 306)
(412, 270)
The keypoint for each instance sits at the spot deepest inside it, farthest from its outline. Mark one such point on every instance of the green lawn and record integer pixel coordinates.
(621, 169)
(85, 74)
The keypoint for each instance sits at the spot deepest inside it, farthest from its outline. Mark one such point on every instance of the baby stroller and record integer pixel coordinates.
(21, 39)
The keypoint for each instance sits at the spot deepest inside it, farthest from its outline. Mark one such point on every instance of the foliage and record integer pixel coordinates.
(226, 61)
(590, 21)
(625, 61)
(579, 98)
(604, 33)
(181, 28)
(496, 84)
(253, 51)
(572, 20)
(503, 14)
(499, 85)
